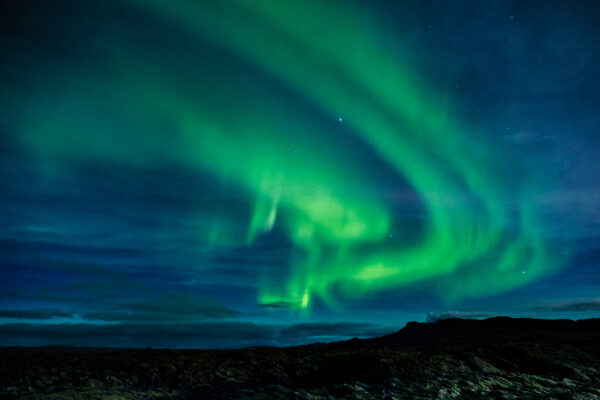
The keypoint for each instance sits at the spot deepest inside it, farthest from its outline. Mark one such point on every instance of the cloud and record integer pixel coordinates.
(182, 304)
(436, 316)
(280, 304)
(169, 307)
(340, 329)
(213, 334)
(524, 137)
(42, 313)
(200, 312)
(107, 301)
(592, 304)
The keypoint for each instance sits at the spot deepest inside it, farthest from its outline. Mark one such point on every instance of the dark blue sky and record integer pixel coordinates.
(223, 175)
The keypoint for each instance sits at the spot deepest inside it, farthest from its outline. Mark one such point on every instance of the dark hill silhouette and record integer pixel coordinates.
(456, 330)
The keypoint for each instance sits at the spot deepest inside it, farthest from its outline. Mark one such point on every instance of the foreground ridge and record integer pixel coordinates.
(497, 358)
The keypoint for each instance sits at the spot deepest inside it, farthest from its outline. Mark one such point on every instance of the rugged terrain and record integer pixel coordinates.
(498, 358)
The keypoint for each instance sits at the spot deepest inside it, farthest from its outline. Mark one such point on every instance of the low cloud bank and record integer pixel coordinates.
(437, 316)
(41, 313)
(219, 334)
(592, 304)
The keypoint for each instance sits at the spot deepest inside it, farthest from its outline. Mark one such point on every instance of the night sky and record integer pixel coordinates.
(253, 172)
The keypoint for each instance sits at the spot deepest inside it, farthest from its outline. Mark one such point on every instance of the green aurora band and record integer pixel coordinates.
(293, 170)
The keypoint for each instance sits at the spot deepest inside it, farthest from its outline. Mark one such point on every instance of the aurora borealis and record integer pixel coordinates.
(325, 169)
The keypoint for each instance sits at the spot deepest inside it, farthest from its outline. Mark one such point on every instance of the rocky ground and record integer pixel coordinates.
(525, 368)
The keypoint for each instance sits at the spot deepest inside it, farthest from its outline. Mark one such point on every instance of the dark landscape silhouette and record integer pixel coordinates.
(496, 358)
